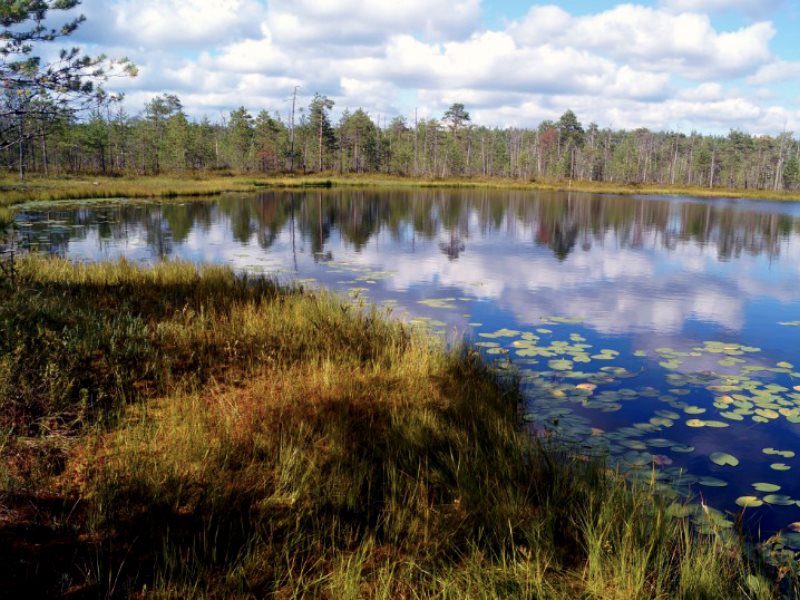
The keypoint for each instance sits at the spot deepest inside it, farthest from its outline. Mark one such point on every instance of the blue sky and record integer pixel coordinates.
(707, 65)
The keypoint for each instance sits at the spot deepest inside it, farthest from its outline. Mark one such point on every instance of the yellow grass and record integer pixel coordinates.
(13, 191)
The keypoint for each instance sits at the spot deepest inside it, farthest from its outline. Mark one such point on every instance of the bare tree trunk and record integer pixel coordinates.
(713, 168)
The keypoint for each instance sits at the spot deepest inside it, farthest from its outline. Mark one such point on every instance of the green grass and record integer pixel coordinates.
(44, 189)
(191, 433)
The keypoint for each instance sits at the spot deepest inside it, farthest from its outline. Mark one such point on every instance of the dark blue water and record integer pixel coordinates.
(659, 331)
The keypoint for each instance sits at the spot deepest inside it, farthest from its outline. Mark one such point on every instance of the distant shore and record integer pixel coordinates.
(43, 189)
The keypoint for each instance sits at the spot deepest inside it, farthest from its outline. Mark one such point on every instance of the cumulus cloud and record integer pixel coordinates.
(686, 44)
(344, 22)
(625, 66)
(776, 71)
(173, 24)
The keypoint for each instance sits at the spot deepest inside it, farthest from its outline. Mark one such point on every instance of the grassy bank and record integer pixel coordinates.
(180, 433)
(12, 191)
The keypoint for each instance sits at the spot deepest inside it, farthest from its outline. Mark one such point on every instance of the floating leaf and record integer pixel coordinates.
(682, 448)
(560, 365)
(785, 365)
(767, 413)
(438, 302)
(671, 364)
(668, 414)
(501, 333)
(766, 487)
(791, 540)
(694, 410)
(781, 453)
(749, 502)
(697, 423)
(680, 511)
(729, 362)
(732, 416)
(780, 467)
(527, 353)
(712, 482)
(724, 459)
(778, 500)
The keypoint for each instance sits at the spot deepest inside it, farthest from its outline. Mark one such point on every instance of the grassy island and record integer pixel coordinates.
(179, 432)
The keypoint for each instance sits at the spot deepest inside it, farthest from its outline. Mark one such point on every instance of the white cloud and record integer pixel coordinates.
(343, 22)
(685, 44)
(776, 71)
(172, 23)
(626, 66)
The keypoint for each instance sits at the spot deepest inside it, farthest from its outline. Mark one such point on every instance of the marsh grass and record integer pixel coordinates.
(44, 189)
(200, 434)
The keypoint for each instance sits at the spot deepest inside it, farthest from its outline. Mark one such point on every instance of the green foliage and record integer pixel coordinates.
(791, 173)
(37, 93)
(163, 139)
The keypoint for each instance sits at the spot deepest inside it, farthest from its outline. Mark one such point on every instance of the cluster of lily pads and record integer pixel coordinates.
(562, 390)
(566, 379)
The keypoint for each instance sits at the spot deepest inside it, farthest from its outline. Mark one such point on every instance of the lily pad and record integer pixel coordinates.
(766, 487)
(501, 333)
(682, 449)
(724, 459)
(749, 502)
(438, 302)
(778, 500)
(712, 482)
(680, 511)
(560, 365)
(697, 423)
(780, 467)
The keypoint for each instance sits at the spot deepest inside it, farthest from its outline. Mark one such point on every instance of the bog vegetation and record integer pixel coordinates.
(193, 433)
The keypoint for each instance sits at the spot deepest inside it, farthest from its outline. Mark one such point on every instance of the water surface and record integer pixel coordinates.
(662, 331)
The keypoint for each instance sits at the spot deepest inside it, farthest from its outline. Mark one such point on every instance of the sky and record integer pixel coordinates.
(678, 65)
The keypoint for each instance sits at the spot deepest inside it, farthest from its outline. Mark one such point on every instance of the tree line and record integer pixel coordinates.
(163, 139)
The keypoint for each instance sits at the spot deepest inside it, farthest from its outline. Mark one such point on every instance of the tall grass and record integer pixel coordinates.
(231, 438)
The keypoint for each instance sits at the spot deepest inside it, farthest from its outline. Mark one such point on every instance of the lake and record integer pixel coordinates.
(662, 332)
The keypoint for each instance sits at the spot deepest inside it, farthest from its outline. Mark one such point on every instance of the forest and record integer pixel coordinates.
(163, 139)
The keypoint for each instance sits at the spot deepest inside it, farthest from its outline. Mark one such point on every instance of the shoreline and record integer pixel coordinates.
(241, 438)
(47, 189)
